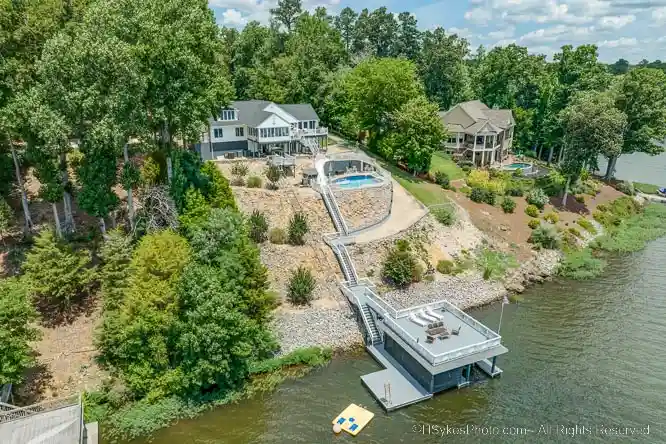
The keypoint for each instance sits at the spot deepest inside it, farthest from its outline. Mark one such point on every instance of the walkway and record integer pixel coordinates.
(405, 212)
(653, 198)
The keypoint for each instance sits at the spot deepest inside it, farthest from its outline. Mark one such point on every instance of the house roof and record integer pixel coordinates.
(495, 119)
(251, 112)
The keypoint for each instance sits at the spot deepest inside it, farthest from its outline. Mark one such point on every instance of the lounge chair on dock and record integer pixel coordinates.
(427, 317)
(417, 321)
(456, 331)
(433, 314)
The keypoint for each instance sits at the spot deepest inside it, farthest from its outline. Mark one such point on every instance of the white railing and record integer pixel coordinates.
(298, 133)
(343, 251)
(327, 193)
(385, 306)
(365, 320)
(10, 412)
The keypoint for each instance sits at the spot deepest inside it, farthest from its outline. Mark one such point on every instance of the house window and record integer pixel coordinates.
(228, 114)
(300, 125)
(312, 124)
(479, 140)
(240, 132)
(452, 140)
(218, 133)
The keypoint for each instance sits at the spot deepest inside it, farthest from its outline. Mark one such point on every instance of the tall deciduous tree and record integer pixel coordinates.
(382, 32)
(592, 127)
(408, 42)
(379, 87)
(286, 12)
(416, 132)
(443, 70)
(345, 23)
(641, 95)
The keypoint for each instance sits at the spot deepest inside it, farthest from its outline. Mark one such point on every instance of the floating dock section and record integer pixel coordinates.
(353, 419)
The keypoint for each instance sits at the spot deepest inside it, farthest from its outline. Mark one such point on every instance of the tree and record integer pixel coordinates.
(135, 339)
(6, 218)
(217, 191)
(641, 96)
(379, 87)
(56, 274)
(17, 331)
(443, 69)
(619, 67)
(382, 31)
(592, 126)
(345, 23)
(286, 12)
(223, 241)
(273, 174)
(408, 43)
(114, 272)
(361, 42)
(400, 267)
(416, 132)
(196, 211)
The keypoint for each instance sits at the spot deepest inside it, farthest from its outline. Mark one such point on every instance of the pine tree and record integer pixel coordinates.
(116, 254)
(54, 272)
(196, 211)
(218, 192)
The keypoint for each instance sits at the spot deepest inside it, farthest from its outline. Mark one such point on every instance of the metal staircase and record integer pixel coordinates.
(347, 267)
(334, 211)
(373, 332)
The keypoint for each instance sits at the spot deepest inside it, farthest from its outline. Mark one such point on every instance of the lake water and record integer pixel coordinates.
(640, 168)
(586, 359)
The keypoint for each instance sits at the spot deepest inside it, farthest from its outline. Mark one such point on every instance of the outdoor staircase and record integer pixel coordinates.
(347, 266)
(310, 143)
(333, 210)
(375, 336)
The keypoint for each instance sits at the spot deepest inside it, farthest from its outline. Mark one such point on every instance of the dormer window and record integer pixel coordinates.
(228, 114)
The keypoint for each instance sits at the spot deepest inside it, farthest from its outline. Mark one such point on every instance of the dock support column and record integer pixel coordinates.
(492, 368)
(469, 372)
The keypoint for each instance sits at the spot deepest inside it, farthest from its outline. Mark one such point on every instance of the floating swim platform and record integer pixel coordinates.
(353, 419)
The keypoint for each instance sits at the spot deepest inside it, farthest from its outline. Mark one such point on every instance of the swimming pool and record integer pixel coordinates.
(357, 181)
(518, 165)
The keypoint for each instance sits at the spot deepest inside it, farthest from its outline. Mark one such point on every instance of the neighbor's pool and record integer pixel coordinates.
(519, 165)
(356, 181)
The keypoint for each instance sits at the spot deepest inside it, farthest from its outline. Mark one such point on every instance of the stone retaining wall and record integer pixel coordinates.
(364, 207)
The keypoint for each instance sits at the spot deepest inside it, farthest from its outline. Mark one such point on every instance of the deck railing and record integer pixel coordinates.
(10, 412)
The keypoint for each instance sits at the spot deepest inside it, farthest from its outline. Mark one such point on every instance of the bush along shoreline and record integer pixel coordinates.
(629, 224)
(121, 420)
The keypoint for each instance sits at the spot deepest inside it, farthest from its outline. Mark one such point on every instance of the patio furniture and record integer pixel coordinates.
(436, 328)
(417, 321)
(431, 313)
(425, 316)
(456, 331)
(430, 339)
(444, 335)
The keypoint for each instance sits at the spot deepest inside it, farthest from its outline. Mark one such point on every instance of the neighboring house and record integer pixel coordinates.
(258, 127)
(478, 133)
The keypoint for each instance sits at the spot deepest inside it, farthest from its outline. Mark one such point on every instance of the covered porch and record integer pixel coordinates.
(482, 149)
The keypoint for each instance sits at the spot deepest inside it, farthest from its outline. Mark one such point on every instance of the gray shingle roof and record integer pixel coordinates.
(499, 119)
(251, 112)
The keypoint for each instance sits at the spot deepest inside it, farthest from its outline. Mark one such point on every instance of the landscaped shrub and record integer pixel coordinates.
(254, 182)
(580, 198)
(581, 264)
(277, 236)
(518, 172)
(442, 179)
(514, 191)
(537, 197)
(533, 223)
(602, 207)
(626, 187)
(481, 179)
(532, 211)
(494, 264)
(239, 169)
(301, 286)
(552, 184)
(446, 267)
(217, 191)
(477, 195)
(238, 181)
(400, 267)
(489, 197)
(273, 174)
(444, 215)
(452, 188)
(465, 190)
(545, 236)
(552, 217)
(258, 226)
(587, 225)
(298, 228)
(575, 232)
(508, 205)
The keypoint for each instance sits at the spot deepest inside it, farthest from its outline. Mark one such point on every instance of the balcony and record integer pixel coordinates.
(298, 133)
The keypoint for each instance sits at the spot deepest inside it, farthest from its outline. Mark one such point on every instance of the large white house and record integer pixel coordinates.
(478, 133)
(258, 127)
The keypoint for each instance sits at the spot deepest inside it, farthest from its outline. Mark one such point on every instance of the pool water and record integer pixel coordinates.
(356, 181)
(515, 166)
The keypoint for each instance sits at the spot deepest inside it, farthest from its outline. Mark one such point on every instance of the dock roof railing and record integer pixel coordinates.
(391, 315)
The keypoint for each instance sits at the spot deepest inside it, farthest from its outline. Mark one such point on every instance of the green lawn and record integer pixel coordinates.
(443, 162)
(646, 188)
